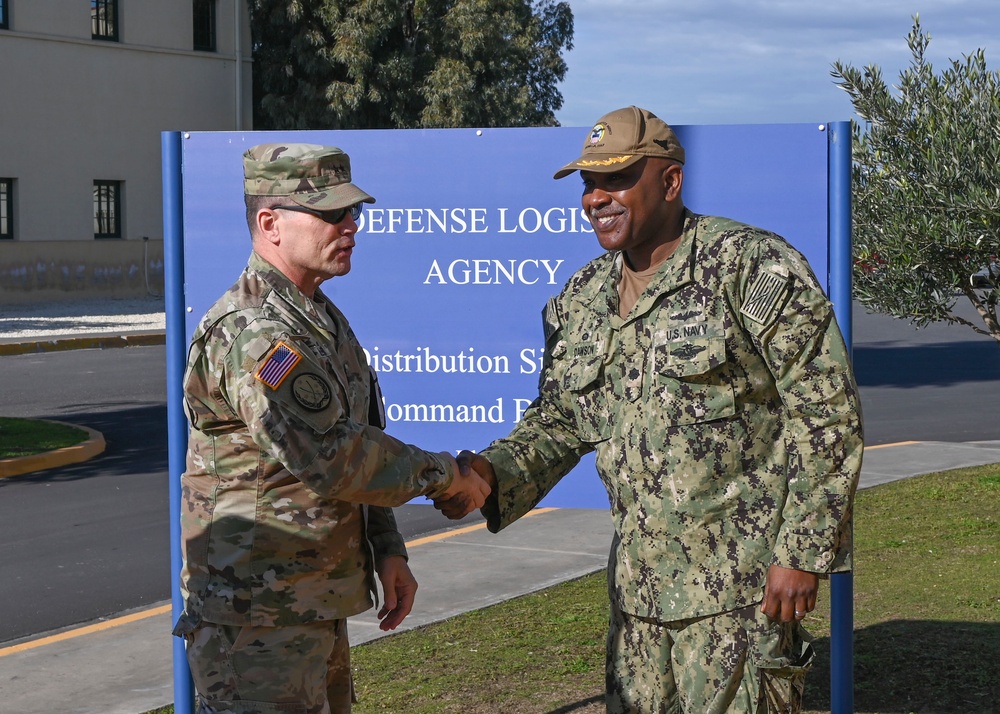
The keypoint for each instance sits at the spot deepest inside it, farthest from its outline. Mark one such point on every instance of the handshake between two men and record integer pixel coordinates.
(470, 488)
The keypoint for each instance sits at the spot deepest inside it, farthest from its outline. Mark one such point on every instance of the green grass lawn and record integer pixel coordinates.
(927, 623)
(25, 437)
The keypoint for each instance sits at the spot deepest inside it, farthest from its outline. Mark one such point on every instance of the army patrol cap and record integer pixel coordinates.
(310, 175)
(621, 138)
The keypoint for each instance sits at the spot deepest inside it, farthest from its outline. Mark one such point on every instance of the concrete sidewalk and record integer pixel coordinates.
(81, 323)
(123, 666)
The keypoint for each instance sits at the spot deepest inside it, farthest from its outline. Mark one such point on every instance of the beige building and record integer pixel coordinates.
(86, 88)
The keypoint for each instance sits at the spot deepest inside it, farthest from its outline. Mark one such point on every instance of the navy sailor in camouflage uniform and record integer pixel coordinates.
(700, 359)
(286, 516)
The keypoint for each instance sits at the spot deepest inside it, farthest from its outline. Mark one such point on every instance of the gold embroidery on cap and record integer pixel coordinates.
(605, 162)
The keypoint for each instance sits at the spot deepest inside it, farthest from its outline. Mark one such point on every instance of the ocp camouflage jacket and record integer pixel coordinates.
(287, 485)
(723, 411)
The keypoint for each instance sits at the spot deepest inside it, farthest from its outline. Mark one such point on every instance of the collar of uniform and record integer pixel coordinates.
(290, 294)
(326, 312)
(677, 270)
(599, 294)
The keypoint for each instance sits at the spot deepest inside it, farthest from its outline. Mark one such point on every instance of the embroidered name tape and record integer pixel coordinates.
(281, 360)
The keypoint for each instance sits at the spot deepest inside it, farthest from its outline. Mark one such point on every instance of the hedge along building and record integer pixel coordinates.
(87, 89)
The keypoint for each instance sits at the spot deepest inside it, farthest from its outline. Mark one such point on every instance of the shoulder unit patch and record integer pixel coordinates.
(311, 392)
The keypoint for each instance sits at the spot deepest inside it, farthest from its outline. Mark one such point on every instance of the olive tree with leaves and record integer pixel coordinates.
(381, 64)
(926, 188)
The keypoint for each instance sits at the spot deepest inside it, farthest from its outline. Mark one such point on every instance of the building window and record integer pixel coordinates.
(6, 208)
(107, 209)
(4, 23)
(204, 25)
(104, 20)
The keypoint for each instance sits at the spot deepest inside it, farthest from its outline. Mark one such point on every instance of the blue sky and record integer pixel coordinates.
(752, 61)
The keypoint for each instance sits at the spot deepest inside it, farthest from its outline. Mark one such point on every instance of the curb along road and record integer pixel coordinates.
(94, 444)
(90, 447)
(84, 342)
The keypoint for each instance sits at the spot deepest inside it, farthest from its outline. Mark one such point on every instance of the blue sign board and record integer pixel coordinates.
(469, 237)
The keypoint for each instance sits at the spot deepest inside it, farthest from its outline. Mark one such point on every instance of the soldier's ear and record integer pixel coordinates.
(673, 180)
(267, 225)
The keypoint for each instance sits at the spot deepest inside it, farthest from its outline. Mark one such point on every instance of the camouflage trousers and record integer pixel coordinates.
(735, 662)
(299, 669)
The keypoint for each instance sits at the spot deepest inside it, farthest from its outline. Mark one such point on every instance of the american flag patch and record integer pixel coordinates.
(765, 295)
(278, 364)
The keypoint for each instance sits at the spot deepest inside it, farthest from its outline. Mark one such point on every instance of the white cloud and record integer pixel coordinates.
(762, 61)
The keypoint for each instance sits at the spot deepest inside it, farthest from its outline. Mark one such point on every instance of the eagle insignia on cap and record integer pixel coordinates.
(597, 133)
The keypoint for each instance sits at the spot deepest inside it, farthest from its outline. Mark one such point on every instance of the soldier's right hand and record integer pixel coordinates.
(467, 492)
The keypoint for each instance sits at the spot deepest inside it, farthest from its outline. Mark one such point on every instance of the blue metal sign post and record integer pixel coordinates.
(173, 264)
(841, 584)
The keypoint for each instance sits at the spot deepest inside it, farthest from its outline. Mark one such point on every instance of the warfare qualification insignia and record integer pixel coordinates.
(688, 351)
(311, 392)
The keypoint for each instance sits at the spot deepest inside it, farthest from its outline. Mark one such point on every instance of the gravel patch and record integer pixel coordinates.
(80, 317)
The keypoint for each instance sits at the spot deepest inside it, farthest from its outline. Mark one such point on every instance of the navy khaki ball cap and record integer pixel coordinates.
(621, 138)
(307, 174)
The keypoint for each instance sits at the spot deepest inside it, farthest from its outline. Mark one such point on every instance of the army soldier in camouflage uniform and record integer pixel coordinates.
(702, 362)
(287, 492)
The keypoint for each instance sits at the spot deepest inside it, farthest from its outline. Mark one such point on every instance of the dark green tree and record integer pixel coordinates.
(926, 188)
(379, 64)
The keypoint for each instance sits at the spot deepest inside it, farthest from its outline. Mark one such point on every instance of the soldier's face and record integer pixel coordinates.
(632, 210)
(320, 250)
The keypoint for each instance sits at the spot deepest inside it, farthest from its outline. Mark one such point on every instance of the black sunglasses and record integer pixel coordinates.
(334, 216)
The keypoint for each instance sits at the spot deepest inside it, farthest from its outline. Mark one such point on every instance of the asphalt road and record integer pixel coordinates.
(939, 383)
(92, 540)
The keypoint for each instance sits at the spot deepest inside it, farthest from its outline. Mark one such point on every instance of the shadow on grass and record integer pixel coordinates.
(917, 666)
(577, 706)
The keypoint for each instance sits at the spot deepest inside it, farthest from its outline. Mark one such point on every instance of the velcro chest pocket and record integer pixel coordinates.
(691, 382)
